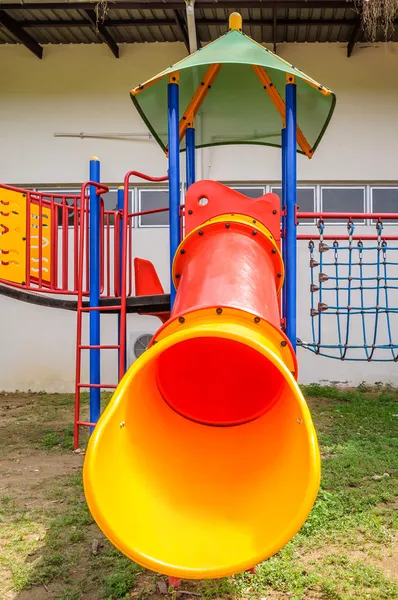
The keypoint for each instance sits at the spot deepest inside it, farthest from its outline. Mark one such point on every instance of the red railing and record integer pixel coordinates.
(126, 261)
(68, 230)
(323, 219)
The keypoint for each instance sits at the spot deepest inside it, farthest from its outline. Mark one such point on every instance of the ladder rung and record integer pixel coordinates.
(103, 347)
(101, 308)
(97, 385)
(85, 424)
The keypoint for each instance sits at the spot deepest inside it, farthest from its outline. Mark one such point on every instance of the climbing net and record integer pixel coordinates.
(354, 294)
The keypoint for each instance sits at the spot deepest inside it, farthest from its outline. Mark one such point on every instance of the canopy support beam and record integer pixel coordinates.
(279, 104)
(290, 173)
(174, 173)
(197, 98)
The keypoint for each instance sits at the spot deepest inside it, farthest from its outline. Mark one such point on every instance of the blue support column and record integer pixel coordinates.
(120, 206)
(190, 155)
(94, 258)
(283, 200)
(291, 227)
(174, 174)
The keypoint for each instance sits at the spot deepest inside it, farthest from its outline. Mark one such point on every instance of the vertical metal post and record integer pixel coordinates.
(190, 155)
(291, 226)
(120, 206)
(174, 172)
(283, 200)
(94, 282)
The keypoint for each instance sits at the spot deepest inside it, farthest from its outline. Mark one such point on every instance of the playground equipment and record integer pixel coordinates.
(205, 461)
(230, 468)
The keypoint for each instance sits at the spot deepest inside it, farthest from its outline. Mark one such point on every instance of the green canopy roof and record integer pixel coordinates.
(237, 109)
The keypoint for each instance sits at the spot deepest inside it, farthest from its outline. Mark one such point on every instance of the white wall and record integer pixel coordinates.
(84, 88)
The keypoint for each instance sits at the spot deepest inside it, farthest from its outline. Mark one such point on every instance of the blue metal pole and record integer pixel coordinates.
(120, 206)
(174, 175)
(291, 227)
(190, 155)
(94, 281)
(283, 200)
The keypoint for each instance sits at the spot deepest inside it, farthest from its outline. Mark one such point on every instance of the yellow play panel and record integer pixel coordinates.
(12, 236)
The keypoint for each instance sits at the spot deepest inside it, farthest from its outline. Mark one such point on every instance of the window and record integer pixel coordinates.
(150, 199)
(250, 192)
(344, 200)
(385, 199)
(305, 200)
(110, 203)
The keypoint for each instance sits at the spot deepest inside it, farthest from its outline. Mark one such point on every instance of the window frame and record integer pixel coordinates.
(363, 187)
(138, 220)
(381, 187)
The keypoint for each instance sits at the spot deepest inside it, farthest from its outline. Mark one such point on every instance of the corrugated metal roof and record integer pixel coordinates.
(58, 23)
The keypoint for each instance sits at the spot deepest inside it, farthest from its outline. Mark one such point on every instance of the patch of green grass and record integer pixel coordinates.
(61, 439)
(121, 580)
(353, 517)
(344, 579)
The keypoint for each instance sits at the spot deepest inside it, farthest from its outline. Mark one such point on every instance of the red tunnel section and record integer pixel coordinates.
(229, 259)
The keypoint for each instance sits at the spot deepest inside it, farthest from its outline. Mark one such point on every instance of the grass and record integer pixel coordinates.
(341, 553)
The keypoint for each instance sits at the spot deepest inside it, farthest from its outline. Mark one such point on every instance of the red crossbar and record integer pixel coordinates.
(97, 385)
(307, 236)
(101, 347)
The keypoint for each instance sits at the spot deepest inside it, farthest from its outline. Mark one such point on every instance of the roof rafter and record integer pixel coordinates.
(152, 4)
(354, 37)
(102, 32)
(22, 36)
(182, 26)
(39, 23)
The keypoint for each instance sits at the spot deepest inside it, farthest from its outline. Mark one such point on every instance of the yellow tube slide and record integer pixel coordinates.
(194, 500)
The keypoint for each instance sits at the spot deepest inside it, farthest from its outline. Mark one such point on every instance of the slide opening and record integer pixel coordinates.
(218, 381)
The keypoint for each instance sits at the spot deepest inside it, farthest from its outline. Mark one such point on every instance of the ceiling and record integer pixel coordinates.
(35, 24)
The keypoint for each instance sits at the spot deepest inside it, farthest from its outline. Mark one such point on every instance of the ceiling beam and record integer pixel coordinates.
(22, 36)
(151, 4)
(354, 37)
(180, 21)
(274, 30)
(171, 22)
(102, 32)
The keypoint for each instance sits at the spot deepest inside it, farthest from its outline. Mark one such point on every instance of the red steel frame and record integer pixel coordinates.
(116, 276)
